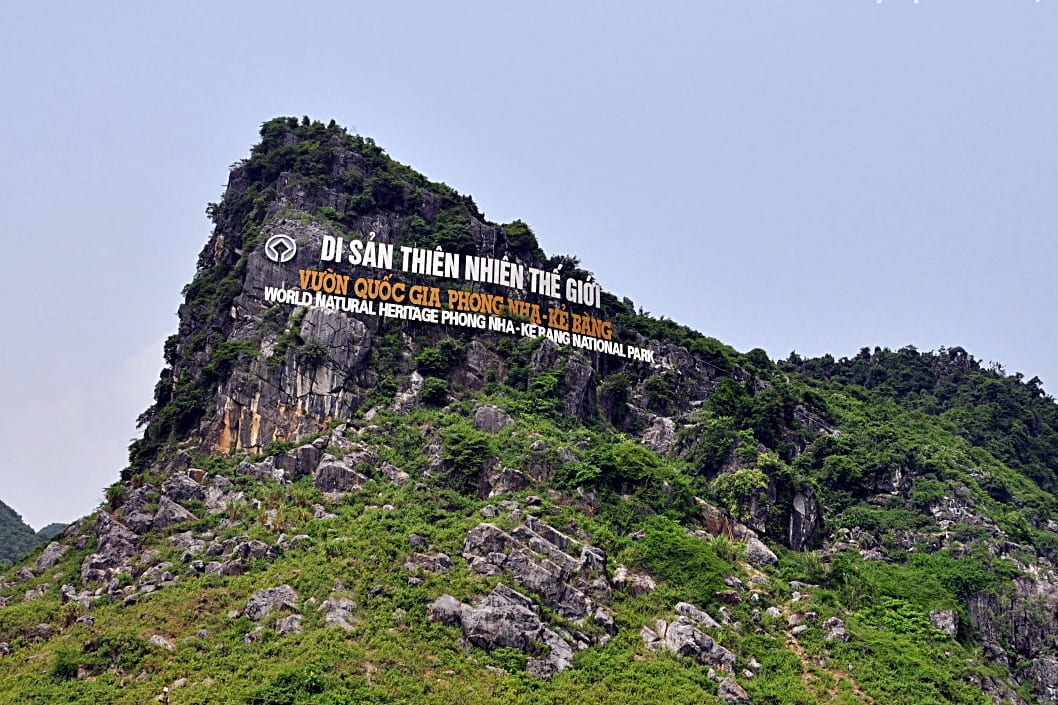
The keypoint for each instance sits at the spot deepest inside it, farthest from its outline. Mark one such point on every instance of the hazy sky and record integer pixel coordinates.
(816, 176)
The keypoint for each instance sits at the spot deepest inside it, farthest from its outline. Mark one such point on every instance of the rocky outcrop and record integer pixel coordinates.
(803, 525)
(660, 437)
(946, 621)
(1020, 627)
(263, 401)
(116, 544)
(759, 555)
(51, 556)
(538, 558)
(491, 419)
(334, 475)
(506, 619)
(181, 488)
(338, 612)
(731, 692)
(265, 601)
(169, 513)
(683, 638)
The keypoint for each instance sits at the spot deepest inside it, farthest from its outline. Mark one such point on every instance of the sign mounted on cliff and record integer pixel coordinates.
(489, 294)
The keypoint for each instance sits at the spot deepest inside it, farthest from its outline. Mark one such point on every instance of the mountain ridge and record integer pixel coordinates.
(371, 508)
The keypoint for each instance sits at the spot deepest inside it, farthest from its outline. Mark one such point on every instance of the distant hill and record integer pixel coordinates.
(51, 531)
(16, 537)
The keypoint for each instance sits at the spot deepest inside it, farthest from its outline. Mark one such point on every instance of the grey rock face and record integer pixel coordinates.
(338, 612)
(291, 624)
(269, 599)
(50, 557)
(539, 559)
(304, 461)
(500, 621)
(804, 520)
(1044, 672)
(945, 620)
(169, 513)
(180, 488)
(115, 547)
(758, 554)
(685, 609)
(731, 692)
(684, 639)
(439, 563)
(661, 436)
(487, 538)
(505, 619)
(447, 610)
(335, 475)
(491, 419)
(139, 522)
(578, 389)
(559, 659)
(1021, 626)
(216, 501)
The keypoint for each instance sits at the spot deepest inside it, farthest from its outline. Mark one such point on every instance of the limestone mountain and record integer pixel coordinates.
(398, 453)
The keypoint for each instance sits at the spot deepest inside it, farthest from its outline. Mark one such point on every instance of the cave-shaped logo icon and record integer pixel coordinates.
(281, 248)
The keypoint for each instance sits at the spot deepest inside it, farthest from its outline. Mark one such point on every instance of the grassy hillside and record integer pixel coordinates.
(337, 508)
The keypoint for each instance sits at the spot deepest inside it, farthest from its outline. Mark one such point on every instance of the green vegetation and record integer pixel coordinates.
(16, 538)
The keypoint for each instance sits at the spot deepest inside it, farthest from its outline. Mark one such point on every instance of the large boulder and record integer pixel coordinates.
(502, 620)
(50, 557)
(334, 475)
(447, 610)
(946, 621)
(684, 639)
(731, 692)
(487, 538)
(491, 419)
(506, 619)
(338, 612)
(759, 555)
(180, 488)
(265, 601)
(169, 513)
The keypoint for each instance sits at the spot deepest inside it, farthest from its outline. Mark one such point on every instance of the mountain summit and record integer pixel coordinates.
(398, 454)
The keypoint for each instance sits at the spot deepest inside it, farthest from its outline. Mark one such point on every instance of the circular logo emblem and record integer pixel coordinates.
(281, 248)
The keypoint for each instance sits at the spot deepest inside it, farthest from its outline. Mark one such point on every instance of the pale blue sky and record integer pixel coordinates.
(810, 176)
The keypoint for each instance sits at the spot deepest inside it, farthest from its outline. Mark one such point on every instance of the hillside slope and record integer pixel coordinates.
(400, 455)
